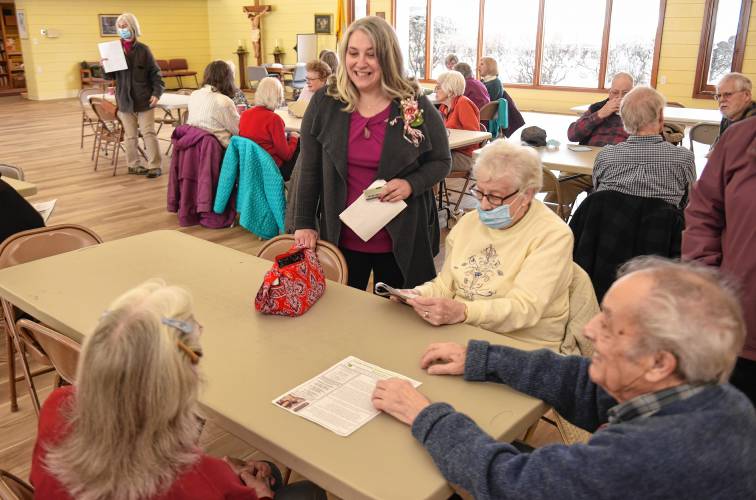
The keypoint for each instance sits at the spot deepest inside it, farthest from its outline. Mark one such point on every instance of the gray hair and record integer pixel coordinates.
(451, 82)
(131, 20)
(742, 82)
(464, 68)
(133, 420)
(640, 107)
(624, 74)
(692, 313)
(502, 159)
(269, 93)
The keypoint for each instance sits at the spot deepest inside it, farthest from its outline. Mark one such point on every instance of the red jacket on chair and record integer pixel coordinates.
(195, 168)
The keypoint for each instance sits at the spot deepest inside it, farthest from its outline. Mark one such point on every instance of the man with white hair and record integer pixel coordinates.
(598, 126)
(666, 423)
(645, 164)
(735, 99)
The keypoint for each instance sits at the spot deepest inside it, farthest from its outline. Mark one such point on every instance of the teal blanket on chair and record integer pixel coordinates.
(501, 120)
(260, 202)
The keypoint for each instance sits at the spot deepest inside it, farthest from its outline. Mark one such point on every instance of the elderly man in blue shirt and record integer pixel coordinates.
(666, 423)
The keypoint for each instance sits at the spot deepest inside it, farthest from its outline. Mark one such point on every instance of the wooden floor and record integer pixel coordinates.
(43, 138)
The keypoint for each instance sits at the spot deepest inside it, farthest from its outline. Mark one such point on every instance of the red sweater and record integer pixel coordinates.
(267, 129)
(209, 478)
(464, 115)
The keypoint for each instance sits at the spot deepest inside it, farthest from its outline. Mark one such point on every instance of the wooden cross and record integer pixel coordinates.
(254, 14)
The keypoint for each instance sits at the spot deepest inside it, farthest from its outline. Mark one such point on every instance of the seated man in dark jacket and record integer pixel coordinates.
(655, 393)
(735, 100)
(598, 126)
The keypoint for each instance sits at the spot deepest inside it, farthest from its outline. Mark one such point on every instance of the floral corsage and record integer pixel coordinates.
(412, 116)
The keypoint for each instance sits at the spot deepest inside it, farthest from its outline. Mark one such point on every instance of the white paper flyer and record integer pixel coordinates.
(339, 398)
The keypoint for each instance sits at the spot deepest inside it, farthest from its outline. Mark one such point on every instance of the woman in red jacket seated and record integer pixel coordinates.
(261, 124)
(129, 427)
(459, 112)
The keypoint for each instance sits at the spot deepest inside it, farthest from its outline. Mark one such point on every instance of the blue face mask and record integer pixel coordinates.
(496, 218)
(124, 33)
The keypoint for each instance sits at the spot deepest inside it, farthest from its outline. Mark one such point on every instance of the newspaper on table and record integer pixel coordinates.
(339, 398)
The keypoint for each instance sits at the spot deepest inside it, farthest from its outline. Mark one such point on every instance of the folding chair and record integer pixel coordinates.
(24, 247)
(88, 118)
(180, 68)
(704, 133)
(551, 185)
(12, 172)
(333, 261)
(444, 201)
(14, 488)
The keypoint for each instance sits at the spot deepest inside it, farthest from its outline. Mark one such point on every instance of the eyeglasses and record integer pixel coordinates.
(312, 79)
(492, 198)
(725, 95)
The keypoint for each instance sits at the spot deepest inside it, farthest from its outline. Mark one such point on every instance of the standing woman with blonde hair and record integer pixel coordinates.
(138, 89)
(369, 123)
(129, 428)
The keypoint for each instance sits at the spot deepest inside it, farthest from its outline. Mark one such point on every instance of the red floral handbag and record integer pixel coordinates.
(294, 283)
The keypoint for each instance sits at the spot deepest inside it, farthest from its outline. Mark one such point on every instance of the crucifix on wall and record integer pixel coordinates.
(254, 14)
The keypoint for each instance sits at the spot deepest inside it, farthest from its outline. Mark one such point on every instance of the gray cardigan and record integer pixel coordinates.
(322, 184)
(140, 81)
(703, 447)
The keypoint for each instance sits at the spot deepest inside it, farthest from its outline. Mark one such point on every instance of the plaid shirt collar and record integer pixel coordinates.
(647, 404)
(645, 139)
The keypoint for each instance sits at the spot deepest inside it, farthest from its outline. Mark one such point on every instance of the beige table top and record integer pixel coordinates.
(460, 138)
(251, 358)
(24, 188)
(168, 100)
(686, 116)
(291, 122)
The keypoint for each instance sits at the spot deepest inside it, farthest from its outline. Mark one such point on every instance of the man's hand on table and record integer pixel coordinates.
(399, 399)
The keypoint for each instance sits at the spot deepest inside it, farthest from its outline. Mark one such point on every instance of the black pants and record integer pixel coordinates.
(287, 167)
(383, 266)
(744, 378)
(301, 490)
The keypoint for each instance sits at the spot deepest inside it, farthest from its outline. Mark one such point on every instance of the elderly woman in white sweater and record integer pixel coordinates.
(508, 265)
(211, 107)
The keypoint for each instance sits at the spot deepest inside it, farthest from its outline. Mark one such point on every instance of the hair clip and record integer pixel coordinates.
(194, 356)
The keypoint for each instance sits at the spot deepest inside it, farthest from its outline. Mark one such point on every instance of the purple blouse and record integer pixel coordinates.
(363, 156)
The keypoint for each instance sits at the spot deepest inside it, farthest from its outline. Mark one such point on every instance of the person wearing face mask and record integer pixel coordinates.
(138, 89)
(370, 123)
(508, 265)
(666, 423)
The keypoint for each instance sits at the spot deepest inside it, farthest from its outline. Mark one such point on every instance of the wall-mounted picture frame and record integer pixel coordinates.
(23, 31)
(108, 24)
(324, 24)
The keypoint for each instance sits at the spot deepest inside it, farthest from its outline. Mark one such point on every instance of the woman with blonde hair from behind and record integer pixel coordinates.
(129, 428)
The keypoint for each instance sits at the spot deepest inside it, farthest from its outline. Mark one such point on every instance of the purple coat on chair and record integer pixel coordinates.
(195, 168)
(476, 92)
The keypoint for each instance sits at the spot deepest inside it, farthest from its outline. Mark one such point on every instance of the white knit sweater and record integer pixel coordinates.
(213, 112)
